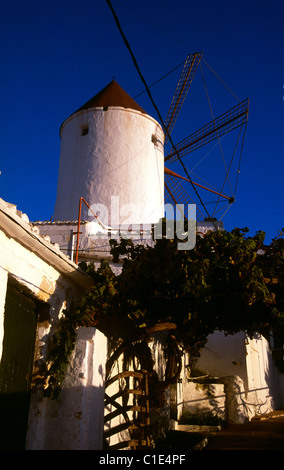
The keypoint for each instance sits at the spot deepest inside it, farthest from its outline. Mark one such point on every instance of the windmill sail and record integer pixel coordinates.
(230, 120)
(190, 65)
(176, 175)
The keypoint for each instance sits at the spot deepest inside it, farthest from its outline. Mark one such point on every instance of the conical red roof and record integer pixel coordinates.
(112, 95)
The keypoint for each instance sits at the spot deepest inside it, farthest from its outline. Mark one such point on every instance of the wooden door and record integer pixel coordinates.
(16, 368)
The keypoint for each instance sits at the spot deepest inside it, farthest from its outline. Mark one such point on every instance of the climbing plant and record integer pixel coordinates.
(230, 281)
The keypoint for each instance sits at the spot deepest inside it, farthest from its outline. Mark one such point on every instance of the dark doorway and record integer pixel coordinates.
(16, 366)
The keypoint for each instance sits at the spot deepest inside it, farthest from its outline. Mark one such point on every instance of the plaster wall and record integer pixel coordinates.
(118, 157)
(245, 368)
(202, 399)
(92, 246)
(62, 234)
(75, 420)
(31, 271)
(262, 374)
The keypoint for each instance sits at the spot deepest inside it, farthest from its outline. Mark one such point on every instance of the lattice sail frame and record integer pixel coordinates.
(234, 118)
(190, 66)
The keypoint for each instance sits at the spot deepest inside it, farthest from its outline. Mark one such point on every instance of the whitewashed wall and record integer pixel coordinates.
(75, 420)
(117, 158)
(42, 270)
(245, 368)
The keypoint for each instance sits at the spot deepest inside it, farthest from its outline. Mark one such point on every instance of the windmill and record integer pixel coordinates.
(180, 180)
(130, 161)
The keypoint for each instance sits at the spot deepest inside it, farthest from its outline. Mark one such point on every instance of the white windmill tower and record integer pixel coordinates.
(112, 156)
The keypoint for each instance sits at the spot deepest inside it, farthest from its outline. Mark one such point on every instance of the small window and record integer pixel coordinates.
(84, 130)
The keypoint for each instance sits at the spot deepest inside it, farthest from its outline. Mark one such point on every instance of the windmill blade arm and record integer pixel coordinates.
(176, 175)
(188, 72)
(230, 120)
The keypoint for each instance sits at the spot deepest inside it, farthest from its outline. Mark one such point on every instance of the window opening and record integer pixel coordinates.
(84, 130)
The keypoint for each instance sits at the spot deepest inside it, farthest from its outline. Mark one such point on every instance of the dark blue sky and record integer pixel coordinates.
(56, 55)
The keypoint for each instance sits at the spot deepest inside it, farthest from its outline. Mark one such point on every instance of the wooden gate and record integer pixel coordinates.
(127, 410)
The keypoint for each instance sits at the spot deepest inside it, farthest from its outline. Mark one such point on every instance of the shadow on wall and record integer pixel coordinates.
(65, 427)
(243, 404)
(227, 400)
(75, 420)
